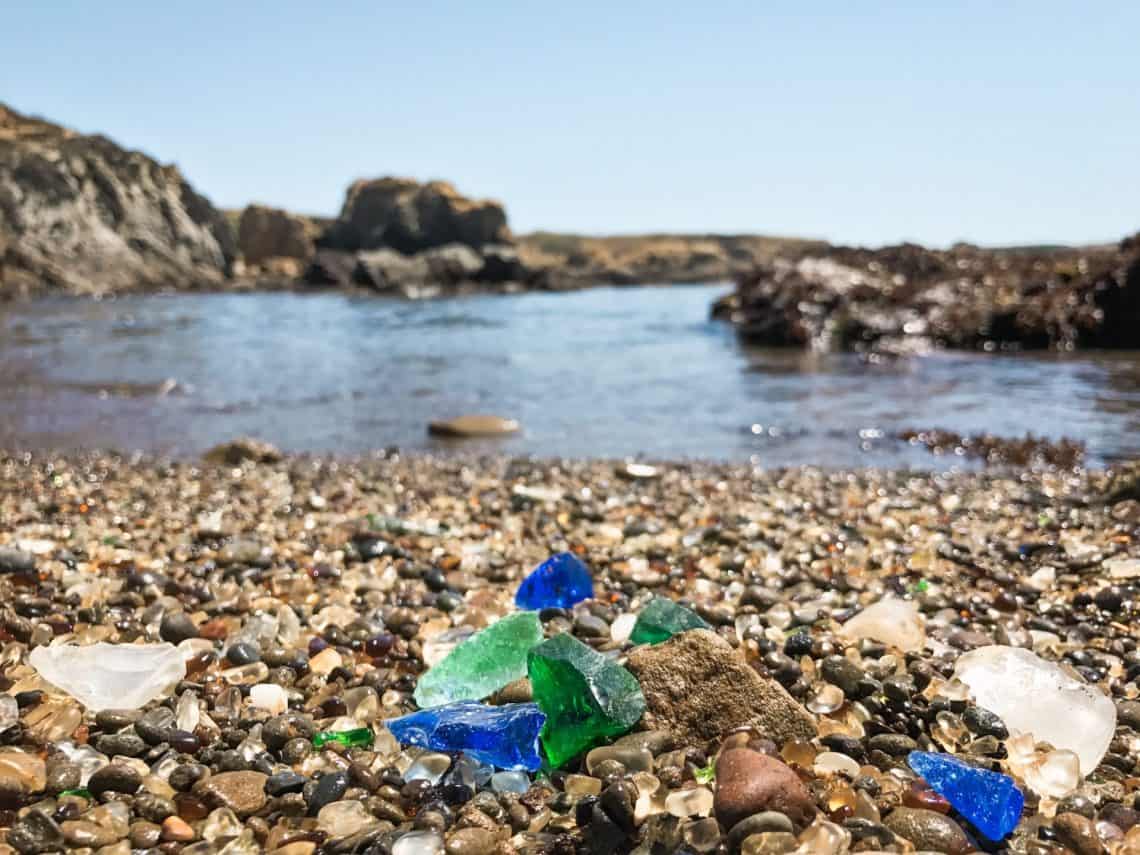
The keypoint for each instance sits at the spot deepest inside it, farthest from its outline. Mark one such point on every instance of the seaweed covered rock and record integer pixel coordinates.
(909, 297)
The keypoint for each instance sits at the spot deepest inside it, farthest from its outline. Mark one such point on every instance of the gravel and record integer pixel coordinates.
(334, 579)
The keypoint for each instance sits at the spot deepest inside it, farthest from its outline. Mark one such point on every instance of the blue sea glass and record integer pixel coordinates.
(558, 582)
(989, 800)
(505, 736)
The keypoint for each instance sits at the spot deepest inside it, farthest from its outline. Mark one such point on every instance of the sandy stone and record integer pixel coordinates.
(929, 830)
(699, 688)
(241, 792)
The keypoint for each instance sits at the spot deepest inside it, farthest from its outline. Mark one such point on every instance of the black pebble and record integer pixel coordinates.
(328, 789)
(284, 782)
(243, 653)
(798, 644)
(177, 627)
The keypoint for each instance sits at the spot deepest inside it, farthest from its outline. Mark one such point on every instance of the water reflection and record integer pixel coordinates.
(606, 372)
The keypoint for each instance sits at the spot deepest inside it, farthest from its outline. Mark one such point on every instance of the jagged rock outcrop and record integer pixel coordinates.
(907, 297)
(405, 215)
(80, 214)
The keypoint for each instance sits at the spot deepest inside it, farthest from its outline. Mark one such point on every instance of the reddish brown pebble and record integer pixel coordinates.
(215, 630)
(749, 782)
(918, 796)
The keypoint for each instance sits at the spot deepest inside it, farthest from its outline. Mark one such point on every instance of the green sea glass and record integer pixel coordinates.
(661, 619)
(360, 737)
(483, 664)
(587, 698)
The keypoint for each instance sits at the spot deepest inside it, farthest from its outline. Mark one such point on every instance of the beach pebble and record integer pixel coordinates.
(749, 783)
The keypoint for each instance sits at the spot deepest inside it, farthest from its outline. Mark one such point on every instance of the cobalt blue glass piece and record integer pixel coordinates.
(558, 582)
(505, 736)
(989, 800)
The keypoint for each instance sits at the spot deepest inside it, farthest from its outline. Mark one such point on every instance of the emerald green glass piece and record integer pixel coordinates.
(359, 737)
(661, 619)
(483, 664)
(587, 698)
(80, 792)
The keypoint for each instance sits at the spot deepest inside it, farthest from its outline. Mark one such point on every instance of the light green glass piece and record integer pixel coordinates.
(483, 664)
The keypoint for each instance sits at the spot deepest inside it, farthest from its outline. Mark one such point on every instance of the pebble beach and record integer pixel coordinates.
(828, 620)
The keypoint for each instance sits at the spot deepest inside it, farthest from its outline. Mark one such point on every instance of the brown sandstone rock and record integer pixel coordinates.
(699, 688)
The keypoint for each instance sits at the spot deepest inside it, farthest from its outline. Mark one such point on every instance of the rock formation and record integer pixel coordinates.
(907, 297)
(397, 236)
(81, 215)
(266, 233)
(407, 216)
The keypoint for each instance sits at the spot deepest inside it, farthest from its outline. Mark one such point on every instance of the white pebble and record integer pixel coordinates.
(893, 622)
(1032, 695)
(418, 843)
(269, 697)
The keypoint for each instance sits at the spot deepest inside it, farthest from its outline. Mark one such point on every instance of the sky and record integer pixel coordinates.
(873, 122)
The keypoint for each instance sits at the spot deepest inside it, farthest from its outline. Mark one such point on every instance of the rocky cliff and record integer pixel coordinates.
(907, 297)
(82, 215)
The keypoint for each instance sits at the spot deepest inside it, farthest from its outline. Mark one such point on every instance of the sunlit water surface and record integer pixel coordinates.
(607, 372)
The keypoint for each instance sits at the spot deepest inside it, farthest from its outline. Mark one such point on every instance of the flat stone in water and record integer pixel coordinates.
(661, 619)
(473, 426)
(560, 582)
(504, 736)
(483, 664)
(587, 698)
(989, 800)
(111, 676)
(1033, 695)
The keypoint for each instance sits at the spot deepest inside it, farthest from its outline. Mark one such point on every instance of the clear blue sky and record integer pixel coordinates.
(872, 122)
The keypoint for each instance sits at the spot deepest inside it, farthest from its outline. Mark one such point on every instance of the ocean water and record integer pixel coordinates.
(607, 372)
